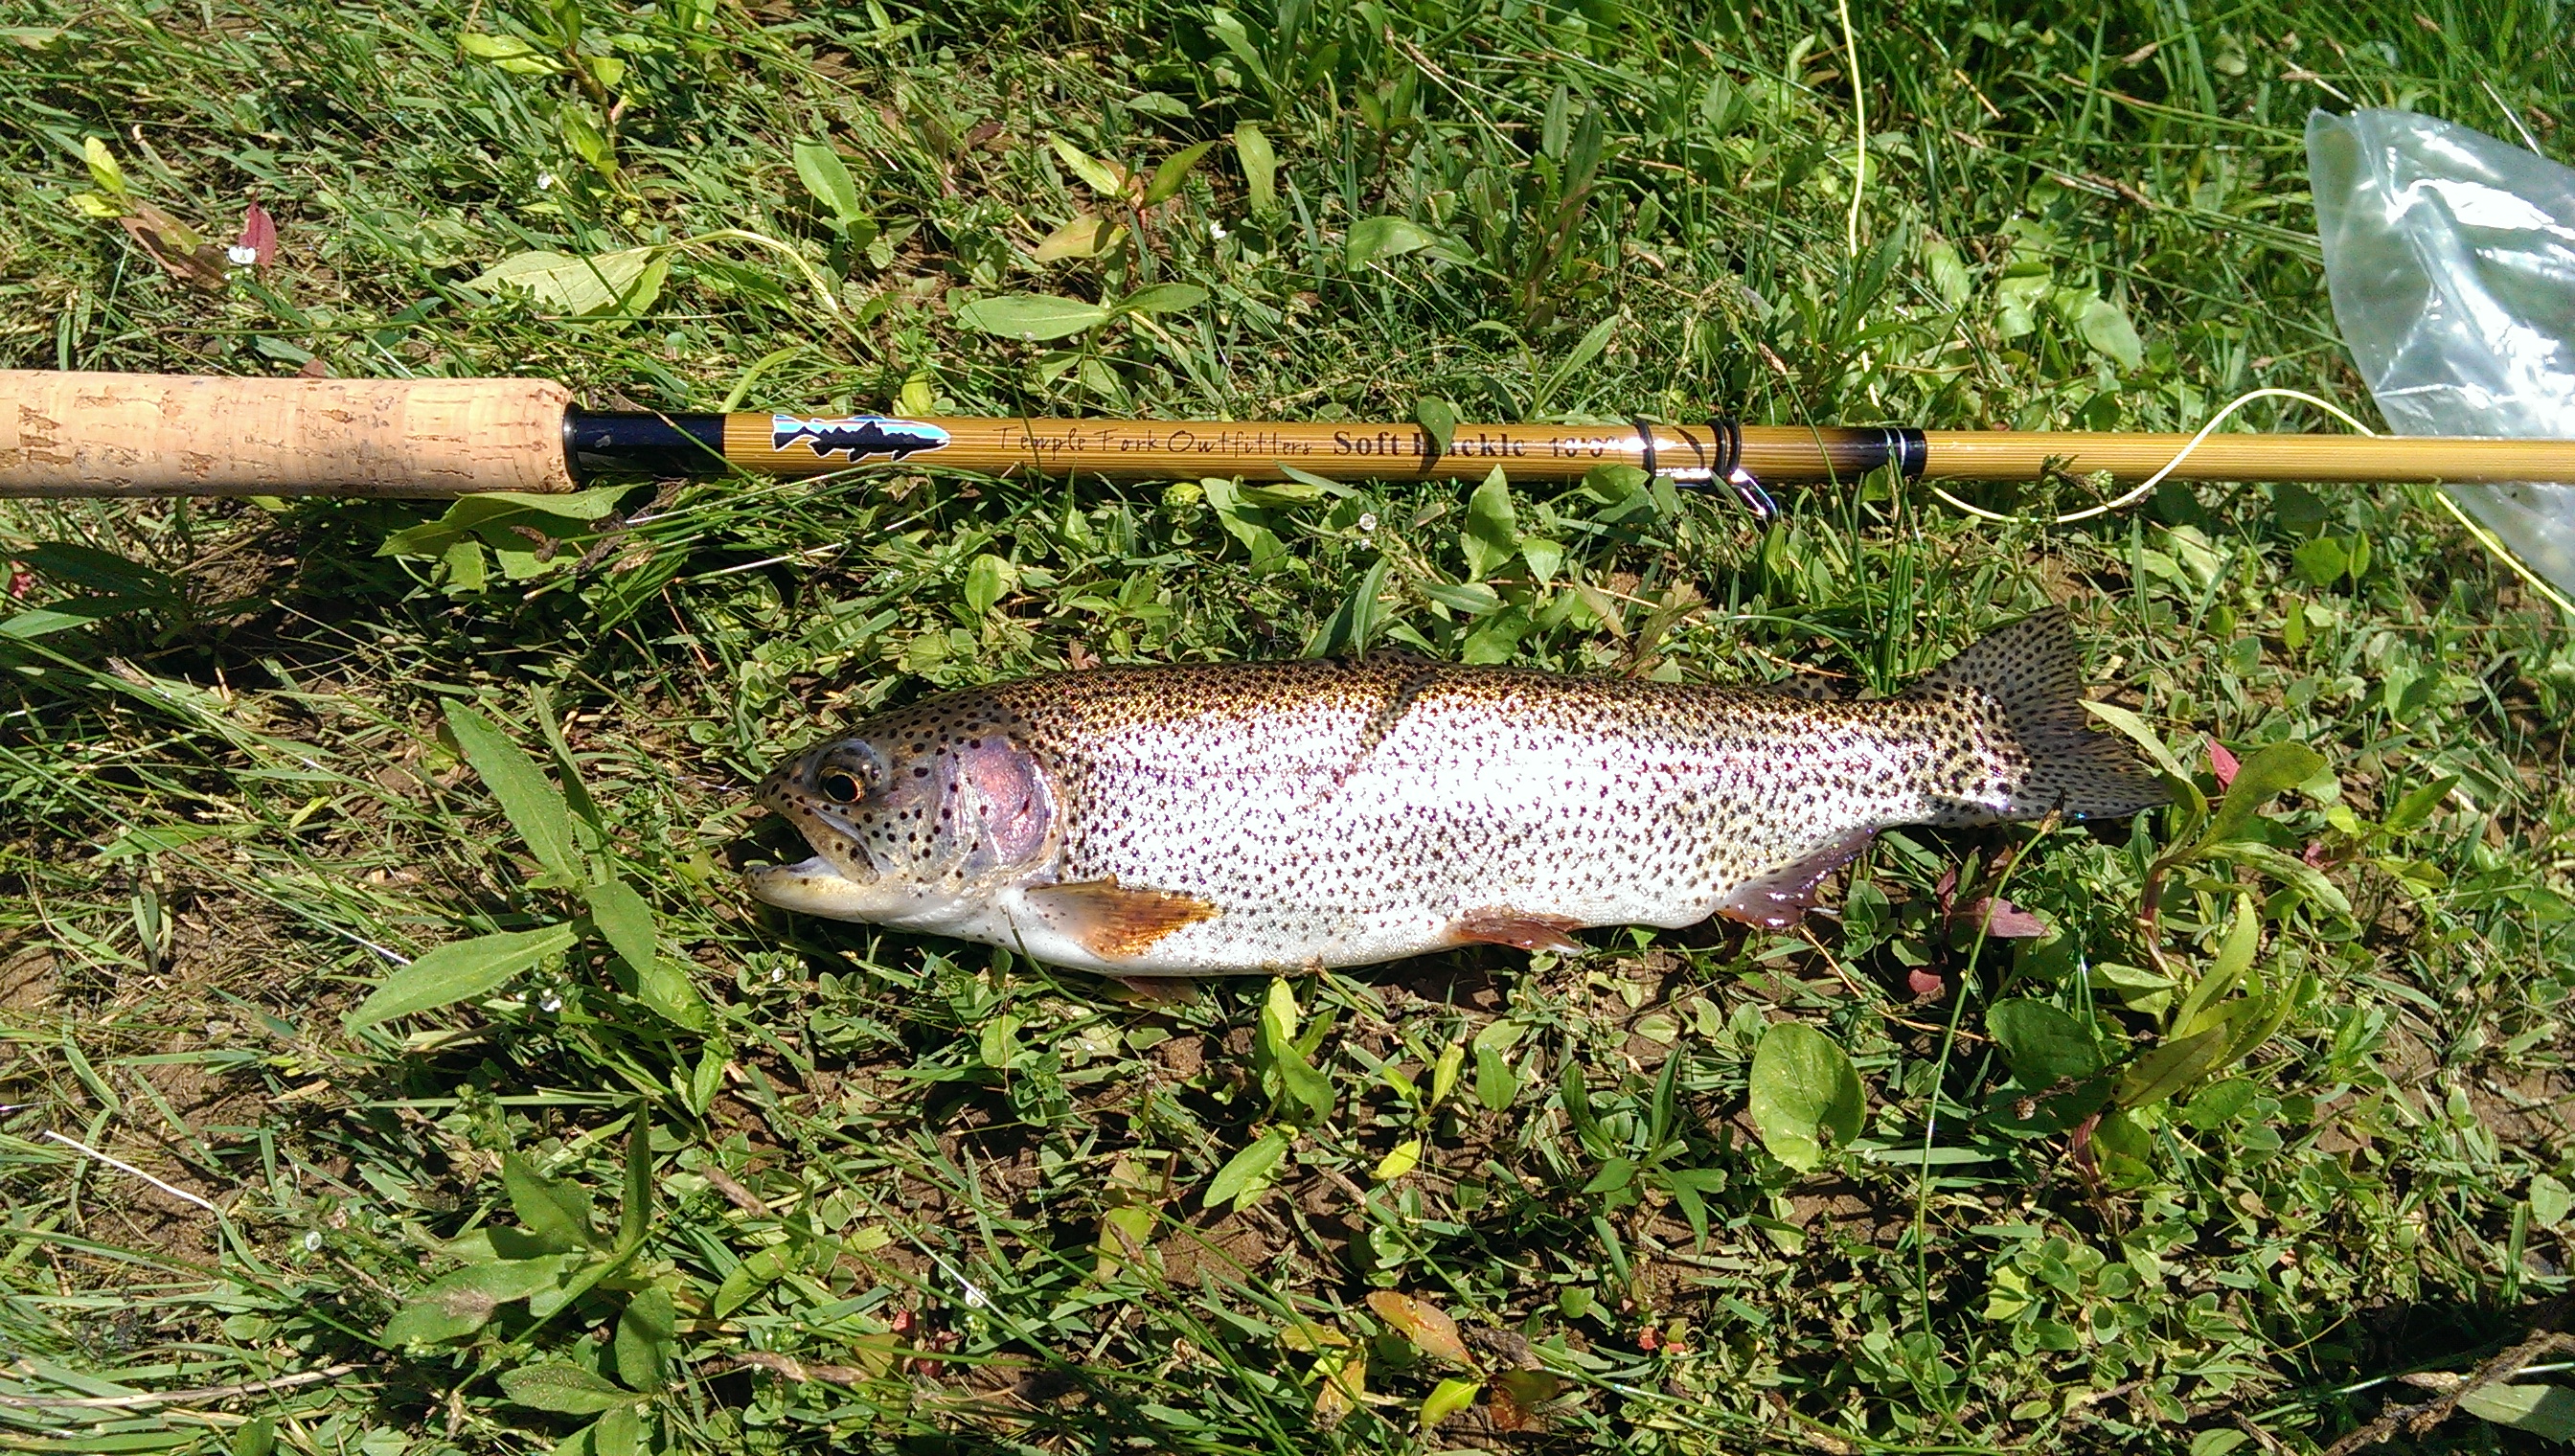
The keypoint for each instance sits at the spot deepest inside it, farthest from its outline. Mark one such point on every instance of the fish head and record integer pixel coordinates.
(913, 817)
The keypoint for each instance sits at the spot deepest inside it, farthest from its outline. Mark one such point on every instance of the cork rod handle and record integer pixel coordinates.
(71, 433)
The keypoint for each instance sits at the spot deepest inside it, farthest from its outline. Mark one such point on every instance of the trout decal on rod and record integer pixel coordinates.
(855, 436)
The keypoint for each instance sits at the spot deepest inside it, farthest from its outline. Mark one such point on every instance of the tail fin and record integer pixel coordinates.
(2033, 670)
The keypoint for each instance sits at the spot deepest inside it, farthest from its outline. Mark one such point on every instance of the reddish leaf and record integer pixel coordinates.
(2224, 763)
(2317, 854)
(1923, 983)
(259, 235)
(1429, 1328)
(21, 582)
(2005, 920)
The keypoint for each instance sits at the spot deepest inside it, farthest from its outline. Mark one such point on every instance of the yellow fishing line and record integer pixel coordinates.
(2483, 537)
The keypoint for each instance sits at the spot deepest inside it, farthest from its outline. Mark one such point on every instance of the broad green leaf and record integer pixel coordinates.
(1437, 419)
(1495, 1082)
(462, 1303)
(1260, 166)
(2418, 803)
(670, 987)
(102, 166)
(2103, 327)
(2234, 956)
(619, 1431)
(460, 972)
(627, 920)
(1249, 1172)
(1372, 239)
(2176, 1064)
(2273, 769)
(1948, 274)
(2547, 1411)
(1163, 297)
(635, 1211)
(1804, 1086)
(535, 807)
(1444, 1072)
(1173, 172)
(555, 1210)
(648, 1336)
(561, 1388)
(988, 581)
(1406, 1156)
(1087, 236)
(1305, 1087)
(1493, 535)
(1105, 178)
(2042, 1044)
(2550, 1200)
(827, 177)
(600, 284)
(750, 1276)
(1034, 317)
(1447, 1398)
(2288, 869)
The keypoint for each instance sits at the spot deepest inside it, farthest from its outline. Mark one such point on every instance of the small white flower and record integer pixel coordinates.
(545, 180)
(1215, 230)
(241, 255)
(313, 1241)
(1368, 522)
(776, 975)
(550, 1002)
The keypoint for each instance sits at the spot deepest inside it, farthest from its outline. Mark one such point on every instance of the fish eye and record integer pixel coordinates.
(838, 785)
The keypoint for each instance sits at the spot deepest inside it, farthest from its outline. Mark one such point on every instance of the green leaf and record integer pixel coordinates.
(464, 1301)
(1804, 1086)
(1449, 1397)
(617, 1432)
(1163, 297)
(620, 282)
(2547, 1411)
(1034, 317)
(561, 1388)
(1105, 178)
(2042, 1044)
(988, 581)
(1406, 1156)
(1248, 1173)
(2176, 1064)
(2288, 869)
(1373, 238)
(2273, 769)
(2418, 803)
(1948, 274)
(1493, 535)
(622, 916)
(1437, 419)
(827, 178)
(1495, 1082)
(670, 987)
(2103, 327)
(750, 1276)
(648, 1339)
(2198, 1010)
(102, 166)
(557, 1212)
(2550, 1200)
(459, 971)
(1303, 1087)
(635, 1211)
(1260, 166)
(1175, 171)
(534, 807)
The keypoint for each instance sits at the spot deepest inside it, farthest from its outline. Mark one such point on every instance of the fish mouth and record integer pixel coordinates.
(816, 886)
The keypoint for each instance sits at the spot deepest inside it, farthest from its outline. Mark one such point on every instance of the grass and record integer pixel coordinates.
(798, 1186)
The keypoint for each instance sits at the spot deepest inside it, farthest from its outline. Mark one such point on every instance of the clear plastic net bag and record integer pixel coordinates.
(2451, 257)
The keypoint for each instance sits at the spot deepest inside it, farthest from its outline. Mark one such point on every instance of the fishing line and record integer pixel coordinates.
(2147, 487)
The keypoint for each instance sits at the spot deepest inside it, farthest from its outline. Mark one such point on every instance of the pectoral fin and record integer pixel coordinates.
(1777, 899)
(1511, 928)
(1112, 922)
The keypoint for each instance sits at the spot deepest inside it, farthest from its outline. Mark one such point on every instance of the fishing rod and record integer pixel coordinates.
(73, 435)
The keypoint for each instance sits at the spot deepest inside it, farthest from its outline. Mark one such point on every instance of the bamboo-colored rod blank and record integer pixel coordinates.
(81, 434)
(1980, 455)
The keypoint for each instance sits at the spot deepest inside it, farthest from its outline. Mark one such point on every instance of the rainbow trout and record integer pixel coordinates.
(1197, 820)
